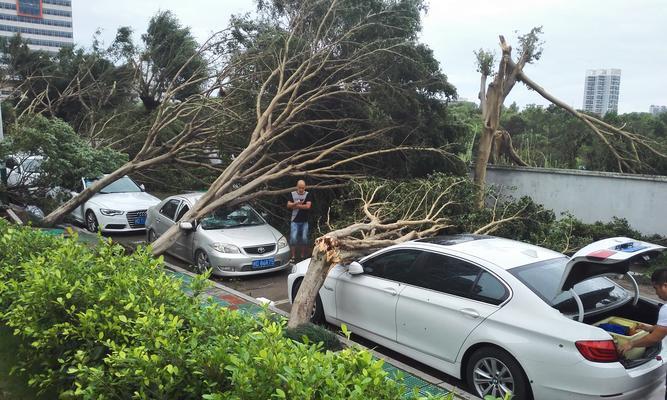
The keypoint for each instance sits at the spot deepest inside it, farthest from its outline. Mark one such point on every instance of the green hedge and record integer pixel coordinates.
(100, 324)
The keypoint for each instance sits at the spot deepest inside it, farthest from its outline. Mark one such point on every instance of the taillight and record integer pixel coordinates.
(598, 350)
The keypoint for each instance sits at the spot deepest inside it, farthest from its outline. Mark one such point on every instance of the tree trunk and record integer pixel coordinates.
(310, 286)
(166, 240)
(62, 211)
(483, 153)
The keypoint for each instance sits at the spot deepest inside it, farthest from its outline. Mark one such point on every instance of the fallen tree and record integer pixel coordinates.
(318, 72)
(384, 213)
(181, 128)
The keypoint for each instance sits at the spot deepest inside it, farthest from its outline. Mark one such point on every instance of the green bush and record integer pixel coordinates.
(311, 333)
(99, 324)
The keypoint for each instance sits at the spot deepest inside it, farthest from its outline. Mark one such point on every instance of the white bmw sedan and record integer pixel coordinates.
(500, 314)
(121, 206)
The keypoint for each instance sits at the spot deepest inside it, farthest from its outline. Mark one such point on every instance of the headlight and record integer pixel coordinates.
(111, 213)
(226, 248)
(282, 242)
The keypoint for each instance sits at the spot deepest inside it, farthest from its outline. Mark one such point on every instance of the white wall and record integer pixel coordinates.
(591, 196)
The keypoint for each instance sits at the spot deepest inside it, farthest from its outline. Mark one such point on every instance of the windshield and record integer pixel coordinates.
(544, 278)
(224, 218)
(123, 185)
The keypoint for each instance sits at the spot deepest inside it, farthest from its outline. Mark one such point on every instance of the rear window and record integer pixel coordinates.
(544, 277)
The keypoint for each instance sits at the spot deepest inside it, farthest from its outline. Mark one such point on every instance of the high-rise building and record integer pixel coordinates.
(601, 90)
(44, 24)
(655, 110)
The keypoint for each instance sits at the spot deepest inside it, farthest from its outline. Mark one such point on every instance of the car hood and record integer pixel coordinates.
(125, 201)
(611, 256)
(243, 236)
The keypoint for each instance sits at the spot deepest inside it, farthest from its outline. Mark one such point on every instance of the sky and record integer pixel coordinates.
(578, 35)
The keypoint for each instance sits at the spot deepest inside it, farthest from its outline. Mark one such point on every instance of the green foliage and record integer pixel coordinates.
(508, 396)
(311, 333)
(100, 324)
(67, 157)
(551, 137)
(94, 85)
(169, 56)
(402, 83)
(524, 219)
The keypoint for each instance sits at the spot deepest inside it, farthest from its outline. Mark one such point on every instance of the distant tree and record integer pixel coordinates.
(81, 87)
(168, 56)
(620, 143)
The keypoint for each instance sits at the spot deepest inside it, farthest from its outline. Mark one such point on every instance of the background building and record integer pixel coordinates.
(655, 110)
(601, 90)
(44, 24)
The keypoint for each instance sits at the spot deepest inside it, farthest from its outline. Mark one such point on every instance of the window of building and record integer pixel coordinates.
(32, 8)
(66, 3)
(33, 20)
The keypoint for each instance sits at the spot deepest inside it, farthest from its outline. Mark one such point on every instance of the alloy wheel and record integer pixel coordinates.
(202, 263)
(91, 222)
(492, 377)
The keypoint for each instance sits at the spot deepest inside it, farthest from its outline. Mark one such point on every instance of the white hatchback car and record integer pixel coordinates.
(500, 314)
(121, 206)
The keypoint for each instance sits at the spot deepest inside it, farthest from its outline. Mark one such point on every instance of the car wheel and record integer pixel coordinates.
(151, 237)
(91, 221)
(202, 263)
(493, 371)
(317, 314)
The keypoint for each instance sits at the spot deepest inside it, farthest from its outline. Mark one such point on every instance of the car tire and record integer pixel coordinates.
(494, 368)
(150, 236)
(317, 315)
(202, 262)
(91, 222)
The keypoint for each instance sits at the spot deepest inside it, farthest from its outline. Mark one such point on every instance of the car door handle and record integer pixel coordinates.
(390, 290)
(329, 288)
(469, 312)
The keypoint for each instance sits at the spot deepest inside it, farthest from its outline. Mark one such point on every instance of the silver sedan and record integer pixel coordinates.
(233, 241)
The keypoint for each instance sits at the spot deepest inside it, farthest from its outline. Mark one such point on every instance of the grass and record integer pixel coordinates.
(14, 386)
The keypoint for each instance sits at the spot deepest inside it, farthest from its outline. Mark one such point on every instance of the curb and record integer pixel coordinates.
(458, 392)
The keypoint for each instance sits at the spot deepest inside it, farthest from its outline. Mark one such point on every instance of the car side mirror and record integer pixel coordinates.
(186, 226)
(355, 268)
(142, 187)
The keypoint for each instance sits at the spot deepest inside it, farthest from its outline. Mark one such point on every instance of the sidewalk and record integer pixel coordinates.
(412, 378)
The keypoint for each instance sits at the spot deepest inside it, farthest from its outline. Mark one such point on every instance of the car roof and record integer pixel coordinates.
(191, 197)
(505, 253)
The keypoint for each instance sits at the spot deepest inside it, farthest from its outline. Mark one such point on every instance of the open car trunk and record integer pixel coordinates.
(645, 311)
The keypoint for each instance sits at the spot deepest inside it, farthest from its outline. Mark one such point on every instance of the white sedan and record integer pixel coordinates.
(119, 207)
(500, 314)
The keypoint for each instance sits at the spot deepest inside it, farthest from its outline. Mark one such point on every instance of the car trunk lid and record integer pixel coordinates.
(611, 256)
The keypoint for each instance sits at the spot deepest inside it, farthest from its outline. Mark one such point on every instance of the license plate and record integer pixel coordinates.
(140, 221)
(263, 263)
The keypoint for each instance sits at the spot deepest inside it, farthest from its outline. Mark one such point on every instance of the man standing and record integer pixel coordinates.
(299, 201)
(659, 330)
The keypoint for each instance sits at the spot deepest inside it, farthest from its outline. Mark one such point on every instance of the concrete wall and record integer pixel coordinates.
(590, 196)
